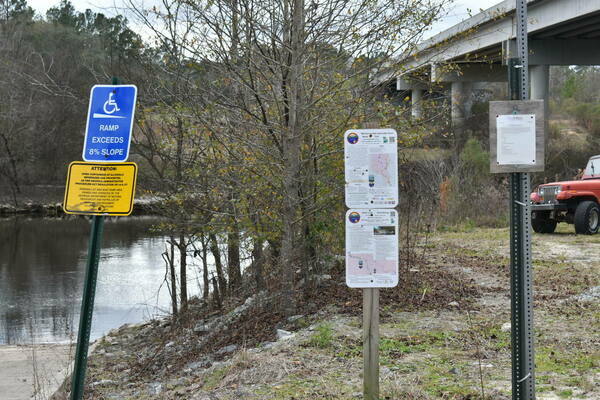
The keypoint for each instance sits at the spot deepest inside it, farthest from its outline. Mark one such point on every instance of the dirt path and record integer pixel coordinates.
(566, 271)
(32, 372)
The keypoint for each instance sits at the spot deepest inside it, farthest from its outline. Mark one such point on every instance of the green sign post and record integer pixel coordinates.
(89, 292)
(517, 147)
(87, 307)
(521, 275)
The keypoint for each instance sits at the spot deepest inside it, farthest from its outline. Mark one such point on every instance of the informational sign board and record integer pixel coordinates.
(517, 136)
(100, 188)
(109, 123)
(515, 139)
(371, 168)
(371, 248)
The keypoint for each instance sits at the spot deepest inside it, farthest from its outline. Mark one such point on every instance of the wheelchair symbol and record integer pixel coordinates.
(111, 103)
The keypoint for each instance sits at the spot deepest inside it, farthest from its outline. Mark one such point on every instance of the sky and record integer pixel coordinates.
(456, 13)
(459, 11)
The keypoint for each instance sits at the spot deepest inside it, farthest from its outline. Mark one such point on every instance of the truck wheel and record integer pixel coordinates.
(587, 218)
(542, 224)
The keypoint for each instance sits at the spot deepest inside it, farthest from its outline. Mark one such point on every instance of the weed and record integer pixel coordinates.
(323, 337)
(566, 394)
(564, 363)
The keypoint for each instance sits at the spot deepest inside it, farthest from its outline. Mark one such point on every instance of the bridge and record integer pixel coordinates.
(475, 51)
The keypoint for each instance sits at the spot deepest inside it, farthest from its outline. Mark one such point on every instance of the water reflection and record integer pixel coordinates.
(42, 266)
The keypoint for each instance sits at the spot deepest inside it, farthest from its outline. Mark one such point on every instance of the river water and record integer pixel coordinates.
(42, 268)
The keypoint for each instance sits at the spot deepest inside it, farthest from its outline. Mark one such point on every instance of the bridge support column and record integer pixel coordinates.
(539, 76)
(461, 95)
(416, 103)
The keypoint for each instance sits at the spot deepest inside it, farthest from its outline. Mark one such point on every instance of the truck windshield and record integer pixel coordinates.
(593, 168)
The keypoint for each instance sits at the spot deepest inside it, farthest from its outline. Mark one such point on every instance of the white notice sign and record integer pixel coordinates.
(371, 248)
(371, 168)
(515, 139)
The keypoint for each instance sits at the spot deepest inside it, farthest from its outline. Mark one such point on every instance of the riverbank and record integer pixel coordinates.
(445, 333)
(33, 371)
(46, 201)
(142, 206)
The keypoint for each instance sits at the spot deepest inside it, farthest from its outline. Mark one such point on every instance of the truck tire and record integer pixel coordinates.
(587, 218)
(542, 224)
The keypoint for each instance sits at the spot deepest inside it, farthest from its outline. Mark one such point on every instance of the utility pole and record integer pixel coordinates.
(521, 278)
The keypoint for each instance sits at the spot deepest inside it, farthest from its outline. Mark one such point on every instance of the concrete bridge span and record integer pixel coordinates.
(561, 32)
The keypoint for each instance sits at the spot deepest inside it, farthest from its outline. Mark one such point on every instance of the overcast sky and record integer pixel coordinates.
(458, 12)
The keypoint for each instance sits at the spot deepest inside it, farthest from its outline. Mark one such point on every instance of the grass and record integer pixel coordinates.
(213, 380)
(323, 336)
(565, 362)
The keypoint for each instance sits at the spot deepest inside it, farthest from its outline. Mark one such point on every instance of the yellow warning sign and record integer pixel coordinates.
(100, 188)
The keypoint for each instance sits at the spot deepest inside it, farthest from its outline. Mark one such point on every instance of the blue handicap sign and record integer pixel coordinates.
(109, 123)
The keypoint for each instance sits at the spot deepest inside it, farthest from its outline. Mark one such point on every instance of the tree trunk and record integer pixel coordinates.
(308, 257)
(11, 171)
(214, 249)
(169, 257)
(257, 262)
(173, 277)
(216, 294)
(275, 248)
(292, 142)
(308, 202)
(183, 270)
(233, 258)
(205, 268)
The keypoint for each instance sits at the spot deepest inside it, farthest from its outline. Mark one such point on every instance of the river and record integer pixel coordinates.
(42, 267)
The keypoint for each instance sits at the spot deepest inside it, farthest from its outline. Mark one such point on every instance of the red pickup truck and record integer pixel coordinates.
(574, 202)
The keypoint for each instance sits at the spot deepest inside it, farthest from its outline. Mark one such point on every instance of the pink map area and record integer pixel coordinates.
(379, 166)
(368, 265)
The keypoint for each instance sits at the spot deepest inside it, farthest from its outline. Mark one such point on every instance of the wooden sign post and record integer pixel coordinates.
(371, 343)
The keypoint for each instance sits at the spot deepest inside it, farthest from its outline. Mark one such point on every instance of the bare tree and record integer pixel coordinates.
(285, 79)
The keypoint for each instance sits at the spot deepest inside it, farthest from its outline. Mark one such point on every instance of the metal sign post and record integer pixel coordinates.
(87, 308)
(96, 201)
(523, 378)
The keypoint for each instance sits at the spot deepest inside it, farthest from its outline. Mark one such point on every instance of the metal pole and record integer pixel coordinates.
(371, 343)
(87, 302)
(87, 308)
(523, 378)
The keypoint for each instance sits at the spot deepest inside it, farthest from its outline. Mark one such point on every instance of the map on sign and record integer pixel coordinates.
(100, 188)
(371, 248)
(371, 168)
(109, 123)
